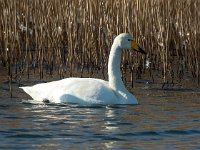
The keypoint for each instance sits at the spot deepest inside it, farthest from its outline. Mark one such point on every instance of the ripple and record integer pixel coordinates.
(111, 138)
(169, 89)
(182, 132)
(90, 106)
(29, 136)
(156, 123)
(145, 133)
(4, 106)
(160, 97)
(70, 135)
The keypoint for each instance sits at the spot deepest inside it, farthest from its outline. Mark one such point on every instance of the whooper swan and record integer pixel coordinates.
(91, 90)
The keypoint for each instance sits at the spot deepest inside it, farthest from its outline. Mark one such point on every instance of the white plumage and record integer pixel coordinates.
(90, 90)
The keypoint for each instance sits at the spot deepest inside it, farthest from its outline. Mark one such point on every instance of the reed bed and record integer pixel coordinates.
(64, 37)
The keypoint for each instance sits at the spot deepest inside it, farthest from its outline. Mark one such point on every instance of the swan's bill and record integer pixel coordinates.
(137, 48)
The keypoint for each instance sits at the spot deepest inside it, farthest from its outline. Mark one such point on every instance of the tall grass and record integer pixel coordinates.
(66, 37)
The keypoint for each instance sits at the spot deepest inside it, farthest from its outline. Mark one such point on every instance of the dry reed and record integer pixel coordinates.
(66, 37)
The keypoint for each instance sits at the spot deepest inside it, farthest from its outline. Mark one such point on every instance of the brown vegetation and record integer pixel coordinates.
(69, 36)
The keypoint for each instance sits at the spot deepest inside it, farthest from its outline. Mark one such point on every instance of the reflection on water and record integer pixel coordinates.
(164, 119)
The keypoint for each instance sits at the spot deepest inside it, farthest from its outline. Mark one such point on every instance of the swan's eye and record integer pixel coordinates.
(130, 40)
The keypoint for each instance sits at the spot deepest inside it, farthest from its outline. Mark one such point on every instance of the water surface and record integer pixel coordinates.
(164, 119)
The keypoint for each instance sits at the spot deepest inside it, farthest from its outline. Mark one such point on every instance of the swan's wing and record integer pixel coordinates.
(73, 90)
(84, 91)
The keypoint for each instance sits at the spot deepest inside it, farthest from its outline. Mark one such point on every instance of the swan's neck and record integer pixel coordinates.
(114, 76)
(114, 72)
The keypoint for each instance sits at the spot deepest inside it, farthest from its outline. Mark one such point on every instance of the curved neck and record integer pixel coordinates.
(114, 72)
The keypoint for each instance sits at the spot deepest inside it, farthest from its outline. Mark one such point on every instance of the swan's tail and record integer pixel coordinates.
(31, 91)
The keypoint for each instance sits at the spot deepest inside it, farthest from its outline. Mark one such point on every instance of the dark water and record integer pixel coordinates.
(164, 119)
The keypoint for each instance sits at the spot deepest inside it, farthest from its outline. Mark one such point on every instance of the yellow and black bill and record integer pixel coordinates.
(137, 48)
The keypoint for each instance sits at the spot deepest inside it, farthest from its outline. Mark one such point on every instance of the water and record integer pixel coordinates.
(164, 119)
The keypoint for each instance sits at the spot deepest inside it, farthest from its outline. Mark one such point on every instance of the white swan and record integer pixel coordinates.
(90, 90)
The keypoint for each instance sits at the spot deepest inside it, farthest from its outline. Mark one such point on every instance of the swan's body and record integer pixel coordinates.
(81, 91)
(91, 90)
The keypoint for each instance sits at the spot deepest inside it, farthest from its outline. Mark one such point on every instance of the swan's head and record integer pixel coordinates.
(126, 41)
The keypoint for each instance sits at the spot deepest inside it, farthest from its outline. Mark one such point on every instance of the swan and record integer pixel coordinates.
(85, 91)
